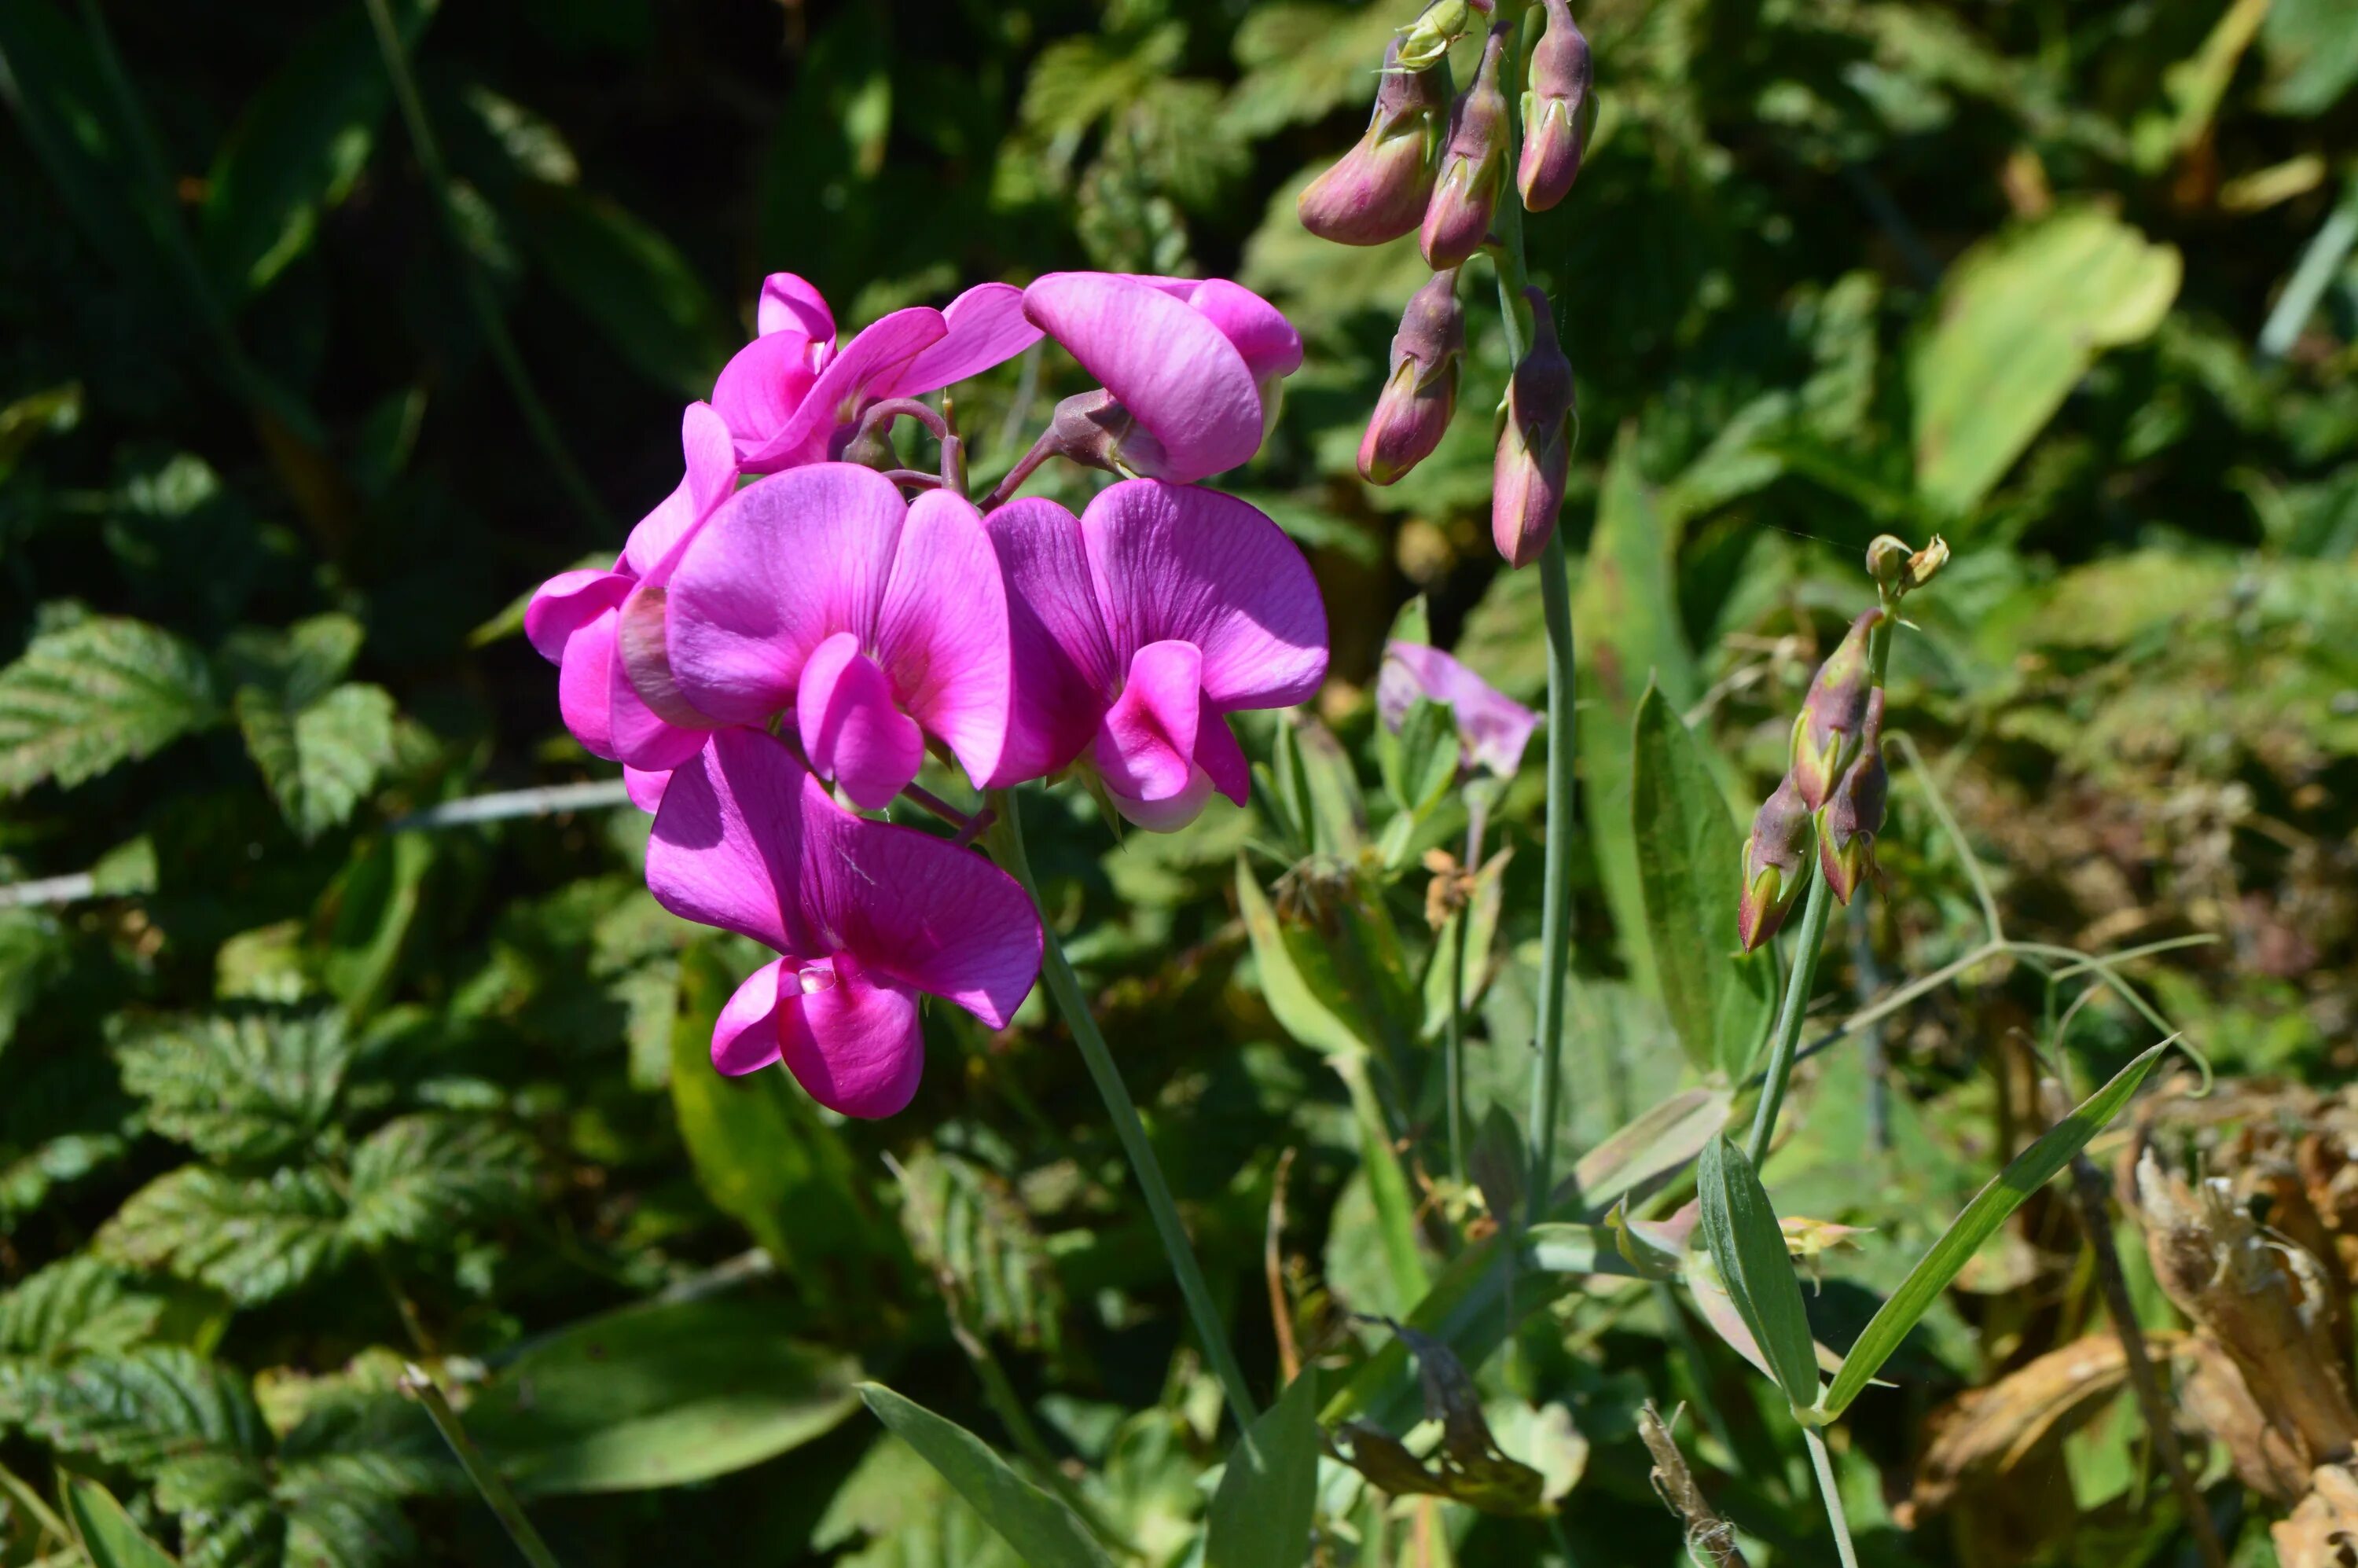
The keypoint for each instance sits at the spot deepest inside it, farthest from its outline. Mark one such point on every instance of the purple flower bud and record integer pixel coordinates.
(1852, 814)
(1534, 456)
(1472, 165)
(1558, 110)
(1421, 390)
(1776, 865)
(1826, 732)
(1379, 189)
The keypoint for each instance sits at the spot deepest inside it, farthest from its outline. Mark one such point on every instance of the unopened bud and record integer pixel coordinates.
(1852, 814)
(1776, 865)
(1472, 165)
(1899, 569)
(1421, 393)
(1558, 110)
(1826, 732)
(1424, 43)
(1534, 456)
(1093, 429)
(1378, 190)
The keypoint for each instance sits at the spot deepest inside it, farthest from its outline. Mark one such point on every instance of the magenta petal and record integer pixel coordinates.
(710, 457)
(985, 325)
(762, 388)
(1146, 748)
(791, 304)
(646, 788)
(730, 835)
(941, 633)
(783, 564)
(910, 905)
(873, 359)
(566, 604)
(1222, 759)
(585, 685)
(1270, 346)
(1173, 562)
(1173, 368)
(745, 1035)
(850, 730)
(640, 737)
(1492, 727)
(859, 1049)
(1064, 666)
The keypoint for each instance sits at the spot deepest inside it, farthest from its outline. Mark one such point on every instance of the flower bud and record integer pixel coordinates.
(1534, 456)
(1826, 732)
(1558, 110)
(1473, 166)
(1424, 43)
(1378, 190)
(1776, 865)
(1852, 814)
(1421, 390)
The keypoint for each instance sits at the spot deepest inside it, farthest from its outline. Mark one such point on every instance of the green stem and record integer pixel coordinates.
(1789, 1018)
(536, 417)
(1555, 888)
(1822, 1462)
(494, 1491)
(15, 1487)
(1006, 837)
(1477, 812)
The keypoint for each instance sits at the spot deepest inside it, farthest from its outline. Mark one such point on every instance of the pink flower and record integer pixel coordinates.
(1137, 625)
(577, 621)
(790, 393)
(876, 621)
(865, 915)
(1193, 365)
(1492, 727)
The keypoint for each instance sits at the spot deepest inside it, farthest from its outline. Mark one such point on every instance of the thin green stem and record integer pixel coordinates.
(1822, 1462)
(419, 1386)
(1555, 884)
(15, 1486)
(537, 419)
(1477, 813)
(1006, 837)
(1803, 975)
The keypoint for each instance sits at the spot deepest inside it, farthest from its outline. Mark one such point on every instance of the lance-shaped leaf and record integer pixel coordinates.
(1043, 1532)
(1741, 1231)
(2031, 1170)
(1260, 1514)
(107, 1533)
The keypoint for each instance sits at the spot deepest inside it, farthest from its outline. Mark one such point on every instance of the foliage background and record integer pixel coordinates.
(290, 415)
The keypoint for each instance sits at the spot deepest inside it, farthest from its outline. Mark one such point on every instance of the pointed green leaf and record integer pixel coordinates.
(1260, 1514)
(1043, 1530)
(1689, 855)
(1740, 1227)
(103, 691)
(252, 1240)
(2029, 1171)
(425, 1178)
(1296, 979)
(320, 759)
(107, 1533)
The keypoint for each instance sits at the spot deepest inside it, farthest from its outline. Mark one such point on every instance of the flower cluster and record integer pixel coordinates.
(1437, 168)
(788, 635)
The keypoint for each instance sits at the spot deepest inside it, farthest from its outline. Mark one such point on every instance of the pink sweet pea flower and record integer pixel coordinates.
(1194, 364)
(866, 915)
(1141, 622)
(1492, 727)
(876, 622)
(578, 623)
(791, 395)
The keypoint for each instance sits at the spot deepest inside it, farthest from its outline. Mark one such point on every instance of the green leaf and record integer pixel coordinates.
(2313, 54)
(1260, 1513)
(107, 1533)
(659, 1395)
(1689, 857)
(2022, 316)
(971, 1231)
(78, 1304)
(368, 912)
(1740, 1228)
(1302, 61)
(1419, 762)
(298, 149)
(2028, 1170)
(425, 1178)
(1489, 898)
(251, 1087)
(1387, 1184)
(634, 287)
(321, 757)
(1297, 979)
(103, 691)
(145, 1407)
(1043, 1530)
(252, 1240)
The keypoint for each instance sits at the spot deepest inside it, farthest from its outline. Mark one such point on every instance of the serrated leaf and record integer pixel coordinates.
(78, 1304)
(2024, 1176)
(248, 1086)
(1719, 998)
(252, 1240)
(108, 1533)
(1043, 1530)
(1302, 61)
(320, 759)
(1740, 1228)
(967, 1226)
(425, 1178)
(104, 691)
(1260, 1513)
(145, 1407)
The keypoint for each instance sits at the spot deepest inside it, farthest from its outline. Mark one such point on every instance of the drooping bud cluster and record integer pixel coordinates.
(1558, 110)
(1421, 391)
(1379, 189)
(1472, 165)
(1829, 808)
(1534, 456)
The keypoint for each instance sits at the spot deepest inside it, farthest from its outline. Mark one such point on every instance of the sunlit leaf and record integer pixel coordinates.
(1741, 1231)
(1043, 1530)
(104, 691)
(1260, 1513)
